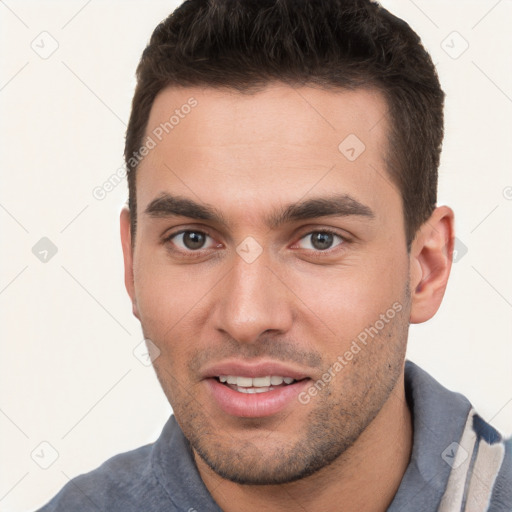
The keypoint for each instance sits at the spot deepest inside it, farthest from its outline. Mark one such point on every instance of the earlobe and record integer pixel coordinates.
(126, 242)
(431, 261)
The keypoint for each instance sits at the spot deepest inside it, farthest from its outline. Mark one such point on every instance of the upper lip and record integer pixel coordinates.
(252, 369)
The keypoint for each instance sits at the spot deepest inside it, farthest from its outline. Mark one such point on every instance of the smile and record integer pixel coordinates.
(251, 385)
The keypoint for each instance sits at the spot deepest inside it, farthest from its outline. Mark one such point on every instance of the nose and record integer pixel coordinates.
(253, 300)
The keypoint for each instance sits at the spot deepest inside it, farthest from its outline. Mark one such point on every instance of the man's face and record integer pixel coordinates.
(265, 250)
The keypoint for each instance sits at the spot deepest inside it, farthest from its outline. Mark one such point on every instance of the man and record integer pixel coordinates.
(282, 233)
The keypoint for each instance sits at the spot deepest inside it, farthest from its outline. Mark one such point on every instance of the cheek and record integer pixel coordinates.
(166, 295)
(347, 299)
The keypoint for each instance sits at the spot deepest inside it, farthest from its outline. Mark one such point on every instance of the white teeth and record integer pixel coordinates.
(254, 390)
(260, 382)
(256, 382)
(245, 382)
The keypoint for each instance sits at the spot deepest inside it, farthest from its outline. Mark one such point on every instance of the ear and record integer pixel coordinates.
(126, 242)
(431, 262)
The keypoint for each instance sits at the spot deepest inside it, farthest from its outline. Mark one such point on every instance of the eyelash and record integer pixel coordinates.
(189, 253)
(316, 253)
(323, 231)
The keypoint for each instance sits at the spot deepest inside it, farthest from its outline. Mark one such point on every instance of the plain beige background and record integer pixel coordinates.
(73, 391)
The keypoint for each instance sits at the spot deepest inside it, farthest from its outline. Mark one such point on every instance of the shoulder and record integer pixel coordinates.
(485, 467)
(156, 477)
(501, 500)
(457, 455)
(122, 483)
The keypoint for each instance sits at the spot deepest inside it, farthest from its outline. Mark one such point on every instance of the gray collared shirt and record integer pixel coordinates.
(458, 463)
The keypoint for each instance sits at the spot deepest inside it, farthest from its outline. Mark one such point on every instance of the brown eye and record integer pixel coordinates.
(190, 240)
(193, 239)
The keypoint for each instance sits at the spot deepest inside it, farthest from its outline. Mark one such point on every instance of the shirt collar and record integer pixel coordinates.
(438, 416)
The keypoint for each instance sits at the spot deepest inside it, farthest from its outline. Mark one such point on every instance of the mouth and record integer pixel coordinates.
(254, 391)
(251, 385)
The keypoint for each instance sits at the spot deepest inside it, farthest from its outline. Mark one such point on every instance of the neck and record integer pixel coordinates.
(365, 477)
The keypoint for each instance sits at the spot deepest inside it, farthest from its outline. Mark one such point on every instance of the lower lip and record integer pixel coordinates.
(255, 405)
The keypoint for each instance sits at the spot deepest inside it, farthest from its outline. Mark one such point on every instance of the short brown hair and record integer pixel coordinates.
(346, 44)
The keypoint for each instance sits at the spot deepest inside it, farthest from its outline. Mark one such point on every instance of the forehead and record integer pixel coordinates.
(278, 144)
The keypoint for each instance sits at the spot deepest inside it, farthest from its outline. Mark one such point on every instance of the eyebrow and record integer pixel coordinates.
(336, 205)
(167, 205)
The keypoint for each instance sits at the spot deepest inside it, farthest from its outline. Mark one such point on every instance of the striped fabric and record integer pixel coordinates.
(477, 459)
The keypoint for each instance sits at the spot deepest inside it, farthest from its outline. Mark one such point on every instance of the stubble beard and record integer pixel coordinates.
(334, 423)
